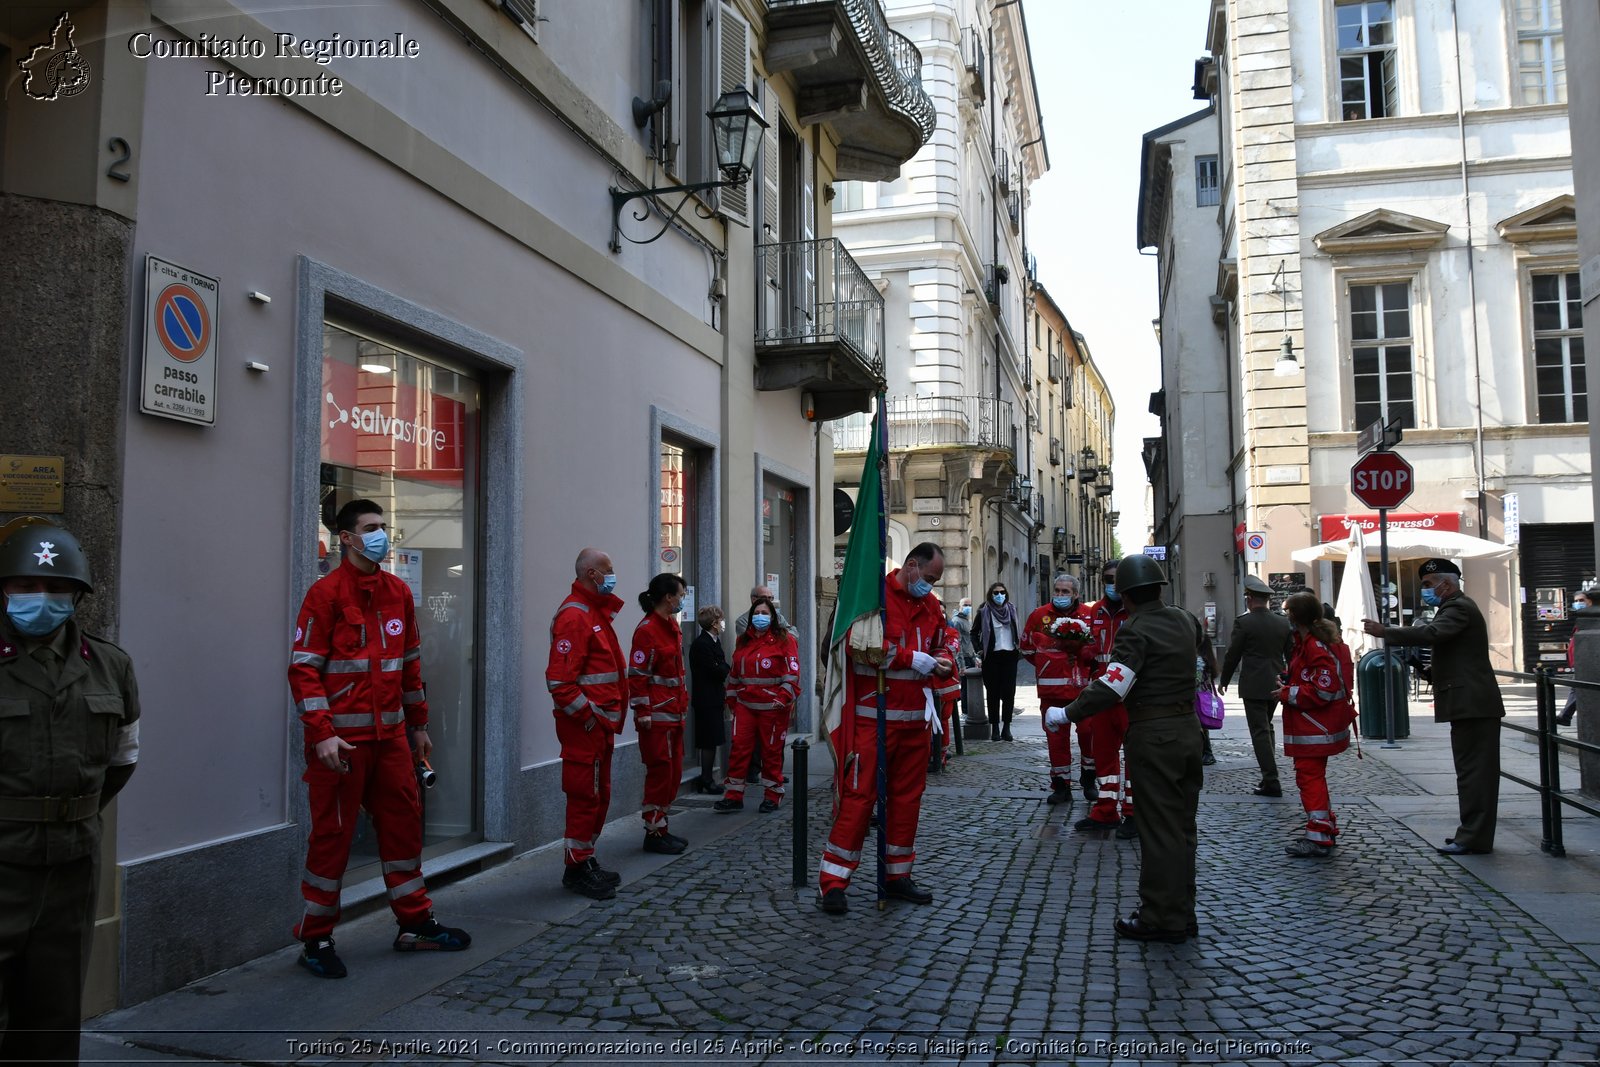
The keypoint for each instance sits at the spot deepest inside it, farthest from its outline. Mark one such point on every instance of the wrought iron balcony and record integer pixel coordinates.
(856, 74)
(819, 325)
(916, 422)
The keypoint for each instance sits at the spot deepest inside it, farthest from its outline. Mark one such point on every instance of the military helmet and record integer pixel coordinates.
(1136, 572)
(36, 549)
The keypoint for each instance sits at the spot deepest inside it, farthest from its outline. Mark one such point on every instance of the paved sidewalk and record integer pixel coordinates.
(1383, 953)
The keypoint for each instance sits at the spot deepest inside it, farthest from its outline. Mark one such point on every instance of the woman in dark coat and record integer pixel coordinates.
(708, 669)
(999, 639)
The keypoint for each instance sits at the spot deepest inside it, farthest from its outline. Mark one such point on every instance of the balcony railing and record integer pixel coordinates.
(935, 422)
(815, 293)
(896, 62)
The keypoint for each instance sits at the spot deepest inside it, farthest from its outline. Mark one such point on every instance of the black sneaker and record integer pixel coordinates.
(320, 959)
(1005, 732)
(1128, 830)
(609, 877)
(1089, 786)
(1061, 794)
(727, 804)
(1089, 822)
(833, 902)
(588, 881)
(431, 936)
(663, 843)
(1208, 760)
(906, 889)
(767, 807)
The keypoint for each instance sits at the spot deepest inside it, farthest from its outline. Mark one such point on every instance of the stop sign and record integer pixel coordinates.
(1381, 480)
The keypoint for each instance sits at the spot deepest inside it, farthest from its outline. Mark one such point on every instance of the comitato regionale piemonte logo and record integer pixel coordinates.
(56, 69)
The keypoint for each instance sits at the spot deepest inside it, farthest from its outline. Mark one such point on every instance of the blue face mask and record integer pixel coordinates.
(998, 598)
(964, 612)
(1062, 603)
(920, 588)
(375, 545)
(1431, 597)
(38, 614)
(607, 583)
(760, 622)
(1111, 592)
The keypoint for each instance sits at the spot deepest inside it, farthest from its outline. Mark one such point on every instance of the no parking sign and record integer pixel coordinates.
(180, 343)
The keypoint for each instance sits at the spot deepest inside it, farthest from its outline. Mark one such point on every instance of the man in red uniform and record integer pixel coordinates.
(659, 700)
(585, 679)
(1064, 666)
(356, 676)
(918, 658)
(1108, 729)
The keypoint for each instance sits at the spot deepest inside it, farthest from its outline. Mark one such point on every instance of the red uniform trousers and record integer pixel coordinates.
(586, 780)
(947, 713)
(1058, 743)
(756, 734)
(1105, 743)
(1311, 778)
(856, 789)
(661, 749)
(382, 779)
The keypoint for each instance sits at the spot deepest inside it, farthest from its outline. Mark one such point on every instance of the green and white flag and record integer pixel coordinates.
(861, 586)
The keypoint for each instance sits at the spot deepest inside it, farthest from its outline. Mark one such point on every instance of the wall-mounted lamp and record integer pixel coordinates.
(1286, 366)
(736, 126)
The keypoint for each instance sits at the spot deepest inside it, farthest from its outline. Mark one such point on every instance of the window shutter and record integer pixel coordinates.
(734, 69)
(771, 185)
(662, 138)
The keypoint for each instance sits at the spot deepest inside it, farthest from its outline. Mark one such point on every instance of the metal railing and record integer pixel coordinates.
(896, 63)
(1550, 743)
(816, 292)
(934, 422)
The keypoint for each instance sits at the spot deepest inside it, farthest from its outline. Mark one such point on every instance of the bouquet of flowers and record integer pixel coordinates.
(1068, 630)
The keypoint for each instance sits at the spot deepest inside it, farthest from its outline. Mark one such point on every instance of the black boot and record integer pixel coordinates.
(1005, 731)
(994, 731)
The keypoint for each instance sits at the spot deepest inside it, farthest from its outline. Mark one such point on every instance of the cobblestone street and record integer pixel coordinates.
(1387, 952)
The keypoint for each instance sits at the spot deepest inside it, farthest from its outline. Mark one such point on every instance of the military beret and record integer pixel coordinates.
(1252, 584)
(1439, 566)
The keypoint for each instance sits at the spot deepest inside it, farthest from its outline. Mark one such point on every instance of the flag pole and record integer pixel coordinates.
(880, 427)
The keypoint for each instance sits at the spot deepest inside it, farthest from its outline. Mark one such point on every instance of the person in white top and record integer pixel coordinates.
(999, 638)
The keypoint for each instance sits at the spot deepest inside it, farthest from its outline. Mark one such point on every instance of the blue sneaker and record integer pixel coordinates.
(321, 960)
(430, 936)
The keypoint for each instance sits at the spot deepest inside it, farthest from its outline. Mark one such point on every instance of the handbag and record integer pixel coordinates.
(1208, 708)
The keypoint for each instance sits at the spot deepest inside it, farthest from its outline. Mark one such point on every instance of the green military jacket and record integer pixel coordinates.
(62, 728)
(1258, 648)
(1464, 685)
(1151, 669)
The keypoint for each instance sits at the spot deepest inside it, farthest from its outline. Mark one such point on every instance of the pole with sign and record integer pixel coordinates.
(1382, 480)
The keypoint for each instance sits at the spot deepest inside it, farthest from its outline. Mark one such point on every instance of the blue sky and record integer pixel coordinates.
(1107, 73)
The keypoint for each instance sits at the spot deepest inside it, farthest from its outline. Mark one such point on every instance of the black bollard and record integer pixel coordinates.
(800, 776)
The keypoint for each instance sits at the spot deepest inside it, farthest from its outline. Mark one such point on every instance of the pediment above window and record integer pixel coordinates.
(1554, 220)
(1382, 231)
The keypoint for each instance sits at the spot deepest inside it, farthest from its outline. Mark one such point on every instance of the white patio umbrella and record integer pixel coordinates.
(1356, 600)
(1407, 543)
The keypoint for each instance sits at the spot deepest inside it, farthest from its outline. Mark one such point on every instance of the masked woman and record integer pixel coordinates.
(762, 689)
(1317, 713)
(659, 700)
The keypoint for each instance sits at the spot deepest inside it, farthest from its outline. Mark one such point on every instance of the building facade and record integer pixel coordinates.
(1581, 32)
(1397, 206)
(945, 244)
(395, 258)
(1192, 500)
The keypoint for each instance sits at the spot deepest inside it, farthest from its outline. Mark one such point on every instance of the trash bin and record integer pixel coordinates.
(976, 727)
(1369, 686)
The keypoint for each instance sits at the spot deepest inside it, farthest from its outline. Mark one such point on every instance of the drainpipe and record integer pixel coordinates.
(1472, 278)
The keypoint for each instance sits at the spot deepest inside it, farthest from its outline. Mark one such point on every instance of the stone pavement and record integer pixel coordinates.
(1384, 953)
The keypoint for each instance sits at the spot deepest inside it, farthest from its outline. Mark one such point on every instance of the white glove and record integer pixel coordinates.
(930, 713)
(1055, 718)
(923, 663)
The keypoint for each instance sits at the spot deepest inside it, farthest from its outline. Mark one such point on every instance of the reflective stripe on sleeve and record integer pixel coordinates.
(597, 679)
(308, 659)
(389, 666)
(311, 704)
(413, 696)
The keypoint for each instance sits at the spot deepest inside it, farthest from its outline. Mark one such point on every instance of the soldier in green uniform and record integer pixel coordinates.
(69, 737)
(1258, 649)
(1152, 673)
(1465, 695)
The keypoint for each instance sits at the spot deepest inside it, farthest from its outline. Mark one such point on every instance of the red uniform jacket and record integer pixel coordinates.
(1317, 711)
(1107, 618)
(911, 625)
(766, 671)
(655, 673)
(356, 668)
(584, 675)
(1064, 668)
